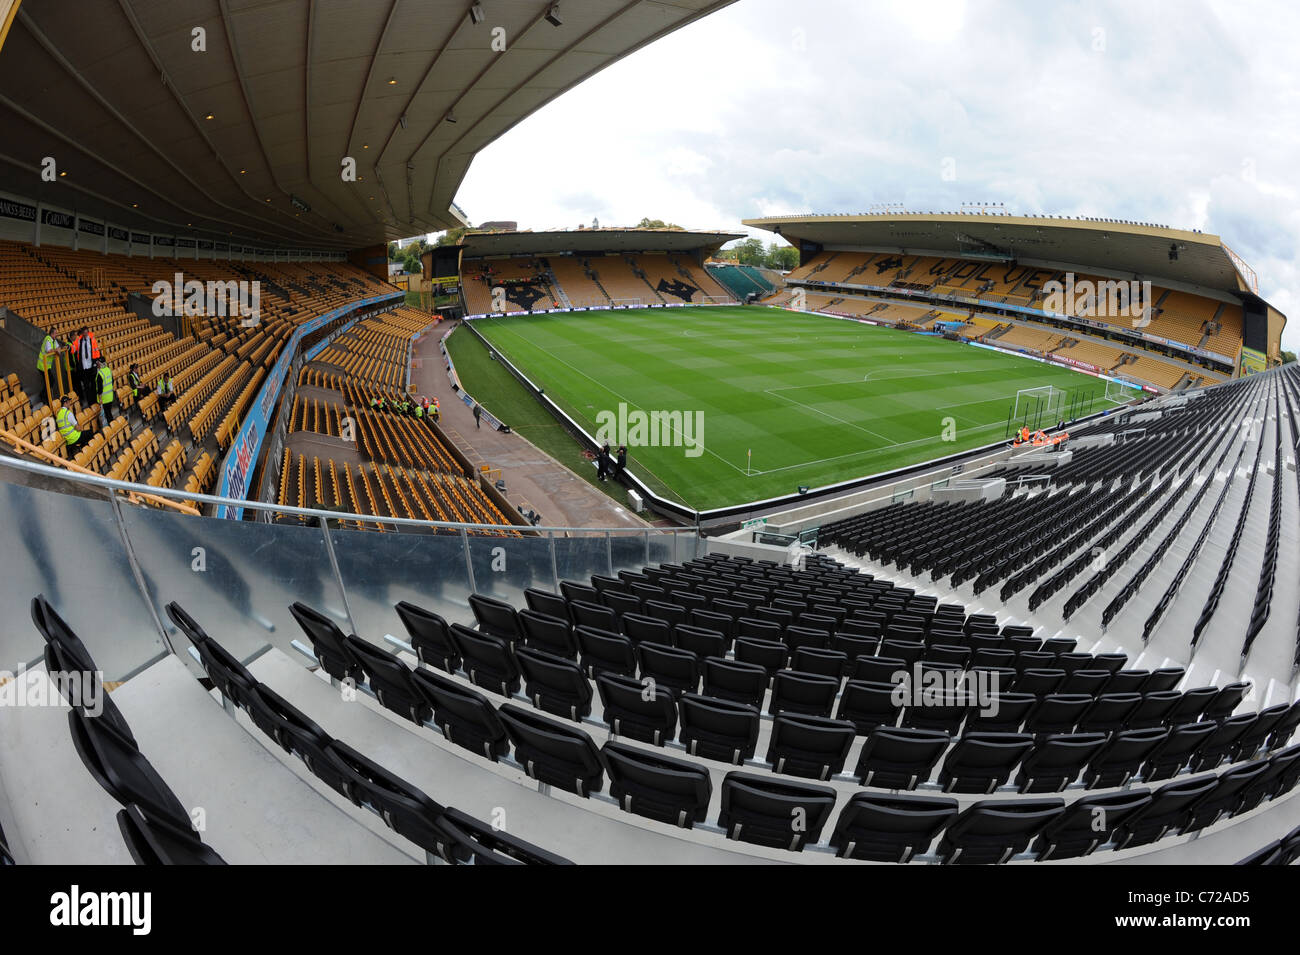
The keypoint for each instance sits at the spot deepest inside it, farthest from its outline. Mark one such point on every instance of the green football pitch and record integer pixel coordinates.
(769, 400)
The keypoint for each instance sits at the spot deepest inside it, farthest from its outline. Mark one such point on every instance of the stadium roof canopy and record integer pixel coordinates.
(478, 244)
(248, 137)
(1110, 245)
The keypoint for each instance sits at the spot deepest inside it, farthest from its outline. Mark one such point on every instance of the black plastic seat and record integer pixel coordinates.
(992, 832)
(809, 746)
(1086, 682)
(1108, 713)
(867, 705)
(294, 732)
(328, 643)
(882, 828)
(1039, 682)
(1222, 741)
(895, 757)
(487, 660)
(1153, 709)
(1057, 713)
(64, 660)
(406, 809)
(430, 637)
(676, 670)
(638, 627)
(732, 680)
(657, 787)
(1128, 681)
(554, 684)
(1165, 678)
(1250, 741)
(798, 636)
(152, 839)
(889, 670)
(1122, 757)
(571, 590)
(605, 652)
(717, 729)
(1057, 760)
(805, 693)
(543, 601)
(633, 709)
(1225, 702)
(467, 841)
(553, 753)
(121, 770)
(227, 674)
(593, 615)
(552, 635)
(1088, 823)
(981, 762)
(1006, 713)
(771, 655)
(620, 603)
(670, 613)
(391, 680)
(832, 663)
(1191, 705)
(496, 618)
(1227, 796)
(775, 813)
(1169, 811)
(699, 641)
(465, 716)
(1176, 751)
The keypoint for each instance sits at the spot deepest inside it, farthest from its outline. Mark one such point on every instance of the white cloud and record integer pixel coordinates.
(1176, 111)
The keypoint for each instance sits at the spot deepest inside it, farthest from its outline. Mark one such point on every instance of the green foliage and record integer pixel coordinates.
(1288, 357)
(658, 224)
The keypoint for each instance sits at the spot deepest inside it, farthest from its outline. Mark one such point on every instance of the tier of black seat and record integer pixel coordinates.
(154, 823)
(439, 830)
(760, 808)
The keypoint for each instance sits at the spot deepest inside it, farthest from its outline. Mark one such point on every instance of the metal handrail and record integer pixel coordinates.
(110, 484)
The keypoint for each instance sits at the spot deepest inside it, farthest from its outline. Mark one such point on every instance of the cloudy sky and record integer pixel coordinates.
(1182, 112)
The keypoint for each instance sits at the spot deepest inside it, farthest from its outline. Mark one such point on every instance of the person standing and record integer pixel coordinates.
(104, 392)
(47, 362)
(478, 413)
(620, 463)
(604, 463)
(86, 347)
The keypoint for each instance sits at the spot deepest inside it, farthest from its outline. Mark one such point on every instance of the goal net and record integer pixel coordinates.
(1040, 407)
(627, 303)
(718, 299)
(1120, 392)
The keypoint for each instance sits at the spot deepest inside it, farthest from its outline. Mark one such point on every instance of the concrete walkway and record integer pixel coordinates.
(534, 480)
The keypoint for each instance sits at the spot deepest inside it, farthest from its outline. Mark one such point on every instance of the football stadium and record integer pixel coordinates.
(339, 530)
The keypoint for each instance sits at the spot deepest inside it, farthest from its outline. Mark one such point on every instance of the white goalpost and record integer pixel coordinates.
(628, 303)
(1120, 393)
(717, 300)
(1045, 403)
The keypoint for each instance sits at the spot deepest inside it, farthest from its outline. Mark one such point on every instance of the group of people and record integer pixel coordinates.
(421, 407)
(92, 383)
(608, 465)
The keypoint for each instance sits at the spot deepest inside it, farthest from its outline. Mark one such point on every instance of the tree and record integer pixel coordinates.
(782, 258)
(451, 236)
(1288, 357)
(394, 255)
(657, 224)
(751, 252)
